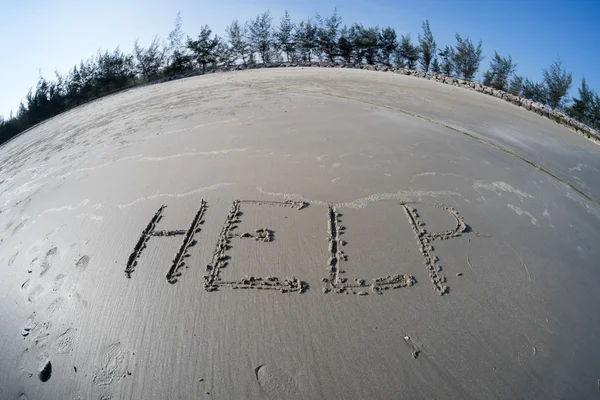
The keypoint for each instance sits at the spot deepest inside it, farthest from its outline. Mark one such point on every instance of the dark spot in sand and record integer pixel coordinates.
(46, 373)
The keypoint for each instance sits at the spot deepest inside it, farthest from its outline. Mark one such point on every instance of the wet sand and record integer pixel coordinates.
(302, 233)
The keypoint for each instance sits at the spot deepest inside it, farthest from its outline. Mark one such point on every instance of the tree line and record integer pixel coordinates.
(316, 39)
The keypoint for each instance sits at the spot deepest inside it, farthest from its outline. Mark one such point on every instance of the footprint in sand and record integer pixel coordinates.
(23, 363)
(275, 382)
(19, 227)
(35, 294)
(59, 280)
(64, 342)
(113, 365)
(29, 325)
(524, 348)
(46, 264)
(41, 334)
(12, 259)
(55, 306)
(83, 262)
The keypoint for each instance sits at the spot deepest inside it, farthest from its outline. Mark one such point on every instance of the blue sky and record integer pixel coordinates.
(44, 36)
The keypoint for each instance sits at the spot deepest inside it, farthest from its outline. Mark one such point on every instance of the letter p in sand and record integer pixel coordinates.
(425, 239)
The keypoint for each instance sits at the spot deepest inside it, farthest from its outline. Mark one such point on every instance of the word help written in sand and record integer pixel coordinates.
(333, 283)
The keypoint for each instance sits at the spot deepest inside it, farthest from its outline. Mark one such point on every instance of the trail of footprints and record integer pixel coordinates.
(335, 282)
(38, 330)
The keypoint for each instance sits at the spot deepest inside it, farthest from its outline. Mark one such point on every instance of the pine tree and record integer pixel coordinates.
(238, 42)
(306, 39)
(499, 73)
(175, 38)
(327, 35)
(557, 82)
(428, 46)
(260, 35)
(435, 66)
(466, 57)
(583, 107)
(178, 59)
(407, 54)
(356, 39)
(284, 37)
(447, 65)
(388, 44)
(345, 45)
(534, 91)
(205, 48)
(369, 43)
(149, 60)
(516, 85)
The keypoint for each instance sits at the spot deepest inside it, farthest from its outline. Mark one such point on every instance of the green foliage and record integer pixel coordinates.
(327, 35)
(428, 46)
(175, 38)
(114, 70)
(534, 91)
(284, 37)
(466, 57)
(260, 36)
(205, 48)
(516, 85)
(178, 59)
(447, 65)
(501, 69)
(369, 43)
(407, 54)
(355, 37)
(346, 45)
(180, 63)
(149, 60)
(224, 54)
(364, 43)
(557, 82)
(388, 44)
(306, 39)
(238, 42)
(586, 108)
(435, 66)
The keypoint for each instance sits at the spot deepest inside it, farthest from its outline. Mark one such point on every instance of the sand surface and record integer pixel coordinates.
(295, 234)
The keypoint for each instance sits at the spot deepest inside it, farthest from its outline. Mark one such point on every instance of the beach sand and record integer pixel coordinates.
(299, 233)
